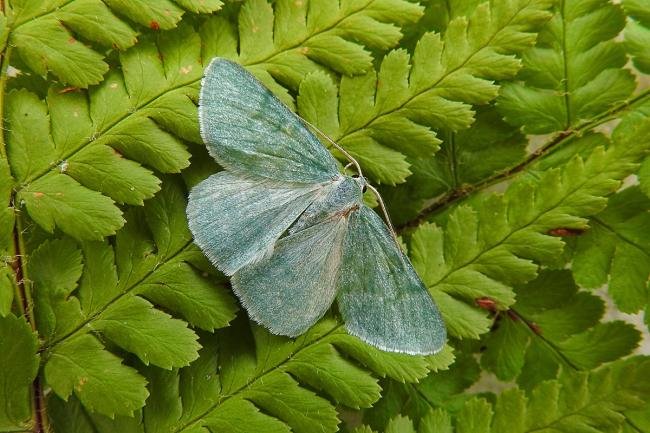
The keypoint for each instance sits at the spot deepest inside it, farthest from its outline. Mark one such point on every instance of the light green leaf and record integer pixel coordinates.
(40, 44)
(325, 369)
(102, 169)
(436, 421)
(617, 250)
(181, 288)
(580, 401)
(242, 416)
(56, 266)
(56, 200)
(475, 258)
(133, 324)
(574, 73)
(18, 368)
(400, 424)
(603, 343)
(553, 325)
(30, 147)
(83, 289)
(45, 35)
(303, 410)
(256, 381)
(97, 377)
(291, 39)
(397, 106)
(474, 417)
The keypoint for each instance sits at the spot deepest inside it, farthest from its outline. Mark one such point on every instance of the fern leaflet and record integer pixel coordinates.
(574, 73)
(95, 289)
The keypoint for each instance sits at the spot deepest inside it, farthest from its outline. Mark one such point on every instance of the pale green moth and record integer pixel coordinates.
(292, 231)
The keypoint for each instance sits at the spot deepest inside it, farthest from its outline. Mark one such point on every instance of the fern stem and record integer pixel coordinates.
(453, 161)
(632, 425)
(39, 410)
(4, 65)
(535, 332)
(24, 282)
(21, 285)
(26, 301)
(561, 139)
(565, 57)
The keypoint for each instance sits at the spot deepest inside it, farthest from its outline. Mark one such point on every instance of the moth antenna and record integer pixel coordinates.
(385, 212)
(334, 143)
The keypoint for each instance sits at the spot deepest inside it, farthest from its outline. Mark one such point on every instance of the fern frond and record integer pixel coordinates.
(66, 151)
(391, 113)
(94, 290)
(475, 258)
(575, 71)
(616, 250)
(45, 33)
(444, 389)
(284, 42)
(551, 326)
(466, 158)
(597, 401)
(69, 160)
(249, 380)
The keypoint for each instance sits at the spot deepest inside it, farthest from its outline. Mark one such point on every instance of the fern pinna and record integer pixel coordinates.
(509, 139)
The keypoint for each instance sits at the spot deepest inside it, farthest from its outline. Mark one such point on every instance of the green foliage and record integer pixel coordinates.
(589, 402)
(574, 73)
(91, 293)
(383, 117)
(266, 383)
(473, 258)
(617, 250)
(466, 158)
(109, 139)
(111, 320)
(553, 325)
(285, 43)
(45, 33)
(444, 389)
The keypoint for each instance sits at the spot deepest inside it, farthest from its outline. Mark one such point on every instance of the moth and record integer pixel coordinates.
(292, 231)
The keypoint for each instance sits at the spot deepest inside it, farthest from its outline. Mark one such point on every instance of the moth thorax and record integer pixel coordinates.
(347, 194)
